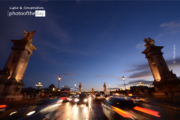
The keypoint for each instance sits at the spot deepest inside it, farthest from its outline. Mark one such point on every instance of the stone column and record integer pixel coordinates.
(80, 87)
(15, 67)
(104, 87)
(164, 80)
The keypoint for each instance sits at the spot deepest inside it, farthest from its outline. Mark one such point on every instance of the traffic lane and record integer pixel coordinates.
(73, 111)
(97, 110)
(66, 111)
(164, 113)
(20, 113)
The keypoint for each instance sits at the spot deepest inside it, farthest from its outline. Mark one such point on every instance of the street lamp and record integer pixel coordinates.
(59, 81)
(53, 89)
(39, 85)
(124, 81)
(75, 85)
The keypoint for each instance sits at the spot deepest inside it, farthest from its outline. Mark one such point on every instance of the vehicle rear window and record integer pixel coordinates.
(134, 96)
(82, 96)
(97, 95)
(122, 103)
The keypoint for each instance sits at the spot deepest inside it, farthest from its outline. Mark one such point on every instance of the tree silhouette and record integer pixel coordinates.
(51, 86)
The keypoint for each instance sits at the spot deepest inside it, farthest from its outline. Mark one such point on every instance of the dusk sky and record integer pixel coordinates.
(93, 42)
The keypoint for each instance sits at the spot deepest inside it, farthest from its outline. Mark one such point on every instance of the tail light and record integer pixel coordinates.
(2, 106)
(147, 111)
(122, 112)
(141, 99)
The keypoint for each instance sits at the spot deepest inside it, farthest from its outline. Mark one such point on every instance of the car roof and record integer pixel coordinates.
(121, 98)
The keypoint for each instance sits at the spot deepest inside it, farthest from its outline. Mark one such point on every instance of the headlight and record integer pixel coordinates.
(30, 113)
(69, 99)
(85, 100)
(76, 100)
(59, 101)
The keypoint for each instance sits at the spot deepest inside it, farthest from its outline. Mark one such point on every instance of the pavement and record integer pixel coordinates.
(93, 111)
(169, 105)
(21, 103)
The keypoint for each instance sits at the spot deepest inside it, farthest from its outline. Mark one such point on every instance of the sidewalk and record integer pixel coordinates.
(169, 105)
(21, 103)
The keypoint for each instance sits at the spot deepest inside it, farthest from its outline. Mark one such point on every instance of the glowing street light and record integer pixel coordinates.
(59, 81)
(75, 85)
(53, 89)
(39, 85)
(124, 81)
(140, 83)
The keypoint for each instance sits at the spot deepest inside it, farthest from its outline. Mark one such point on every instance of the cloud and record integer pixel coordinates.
(170, 24)
(59, 34)
(105, 76)
(141, 74)
(140, 45)
(143, 71)
(67, 74)
(139, 67)
(135, 82)
(159, 35)
(172, 27)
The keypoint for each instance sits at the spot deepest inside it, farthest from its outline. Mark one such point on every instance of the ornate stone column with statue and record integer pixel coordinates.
(80, 87)
(165, 81)
(104, 87)
(92, 90)
(12, 74)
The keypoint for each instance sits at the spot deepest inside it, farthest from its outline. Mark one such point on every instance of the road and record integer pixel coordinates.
(68, 111)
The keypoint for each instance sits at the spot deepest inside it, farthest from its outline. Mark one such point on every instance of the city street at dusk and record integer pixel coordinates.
(89, 60)
(68, 111)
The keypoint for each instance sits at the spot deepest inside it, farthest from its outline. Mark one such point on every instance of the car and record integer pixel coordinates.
(136, 98)
(106, 96)
(82, 99)
(97, 97)
(42, 106)
(2, 108)
(49, 101)
(114, 108)
(72, 99)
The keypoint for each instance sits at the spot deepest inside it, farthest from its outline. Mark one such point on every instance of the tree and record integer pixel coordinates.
(51, 86)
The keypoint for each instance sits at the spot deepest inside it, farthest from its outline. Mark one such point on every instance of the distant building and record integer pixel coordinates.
(139, 88)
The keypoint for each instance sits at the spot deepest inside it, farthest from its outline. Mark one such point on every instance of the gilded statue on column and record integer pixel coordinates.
(148, 42)
(28, 35)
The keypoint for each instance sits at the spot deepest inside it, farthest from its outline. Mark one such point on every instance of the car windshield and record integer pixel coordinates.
(119, 96)
(134, 96)
(82, 96)
(74, 96)
(122, 103)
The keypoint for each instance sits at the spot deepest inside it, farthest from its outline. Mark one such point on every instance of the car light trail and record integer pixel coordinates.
(121, 112)
(2, 106)
(30, 113)
(148, 111)
(13, 113)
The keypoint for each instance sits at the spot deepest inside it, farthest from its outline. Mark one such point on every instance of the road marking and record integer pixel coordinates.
(93, 113)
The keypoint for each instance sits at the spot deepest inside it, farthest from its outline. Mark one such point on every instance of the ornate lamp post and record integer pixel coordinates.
(124, 81)
(53, 89)
(109, 89)
(59, 81)
(39, 85)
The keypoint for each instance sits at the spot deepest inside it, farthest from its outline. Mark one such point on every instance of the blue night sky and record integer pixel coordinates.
(93, 42)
